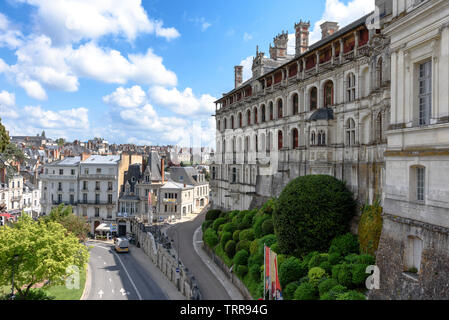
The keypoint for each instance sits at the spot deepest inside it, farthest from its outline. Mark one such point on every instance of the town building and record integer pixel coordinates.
(323, 110)
(413, 254)
(175, 200)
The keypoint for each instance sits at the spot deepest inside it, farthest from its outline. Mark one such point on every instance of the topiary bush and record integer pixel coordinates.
(254, 247)
(351, 295)
(230, 248)
(213, 214)
(243, 245)
(306, 291)
(315, 275)
(345, 244)
(236, 236)
(289, 291)
(229, 227)
(370, 228)
(225, 237)
(257, 225)
(247, 234)
(241, 258)
(210, 237)
(310, 212)
(268, 207)
(326, 286)
(254, 271)
(317, 259)
(326, 265)
(335, 258)
(359, 274)
(334, 292)
(241, 270)
(218, 222)
(267, 227)
(247, 220)
(268, 240)
(366, 259)
(344, 276)
(291, 270)
(206, 224)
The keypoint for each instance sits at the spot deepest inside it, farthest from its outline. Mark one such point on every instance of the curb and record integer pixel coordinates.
(86, 284)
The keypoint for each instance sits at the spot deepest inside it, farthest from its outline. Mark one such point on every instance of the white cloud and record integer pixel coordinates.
(126, 98)
(338, 11)
(199, 22)
(7, 99)
(183, 103)
(247, 68)
(247, 37)
(10, 36)
(67, 21)
(67, 119)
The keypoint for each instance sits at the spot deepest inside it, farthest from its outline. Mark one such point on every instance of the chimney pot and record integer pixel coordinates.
(328, 28)
(238, 76)
(302, 37)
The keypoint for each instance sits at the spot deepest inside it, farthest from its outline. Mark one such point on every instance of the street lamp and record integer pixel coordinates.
(14, 260)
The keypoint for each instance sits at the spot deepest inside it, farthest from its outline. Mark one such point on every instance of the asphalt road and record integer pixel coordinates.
(119, 276)
(210, 287)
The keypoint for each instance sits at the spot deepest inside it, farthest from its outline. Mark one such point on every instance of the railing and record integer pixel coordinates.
(170, 201)
(94, 202)
(98, 176)
(66, 203)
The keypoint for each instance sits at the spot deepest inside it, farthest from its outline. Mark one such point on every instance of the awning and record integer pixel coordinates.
(103, 227)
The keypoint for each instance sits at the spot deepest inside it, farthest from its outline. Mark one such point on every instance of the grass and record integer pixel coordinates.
(62, 293)
(251, 285)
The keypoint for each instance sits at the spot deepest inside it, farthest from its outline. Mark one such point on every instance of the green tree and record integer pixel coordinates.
(60, 142)
(4, 137)
(44, 253)
(74, 224)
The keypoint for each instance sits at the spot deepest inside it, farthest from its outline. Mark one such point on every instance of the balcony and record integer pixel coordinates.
(98, 177)
(170, 201)
(66, 203)
(96, 203)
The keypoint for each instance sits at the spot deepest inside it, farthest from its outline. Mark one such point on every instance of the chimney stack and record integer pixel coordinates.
(279, 50)
(238, 76)
(302, 37)
(328, 28)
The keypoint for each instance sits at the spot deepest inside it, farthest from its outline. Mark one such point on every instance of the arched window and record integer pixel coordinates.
(263, 113)
(255, 116)
(379, 126)
(280, 140)
(321, 138)
(295, 104)
(225, 123)
(218, 125)
(350, 87)
(328, 94)
(232, 122)
(313, 98)
(379, 72)
(312, 138)
(280, 109)
(271, 111)
(248, 118)
(240, 120)
(246, 144)
(295, 138)
(269, 142)
(350, 132)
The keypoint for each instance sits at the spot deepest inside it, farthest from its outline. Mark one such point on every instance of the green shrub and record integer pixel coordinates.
(345, 244)
(256, 258)
(224, 215)
(268, 240)
(236, 236)
(247, 220)
(254, 271)
(213, 214)
(352, 258)
(218, 222)
(317, 259)
(269, 207)
(367, 259)
(229, 227)
(210, 237)
(334, 292)
(230, 248)
(275, 248)
(344, 276)
(267, 227)
(370, 228)
(243, 245)
(289, 291)
(310, 212)
(326, 286)
(351, 295)
(257, 225)
(304, 280)
(291, 270)
(225, 237)
(206, 224)
(335, 258)
(234, 213)
(254, 247)
(326, 265)
(247, 234)
(241, 270)
(241, 258)
(359, 274)
(315, 275)
(305, 291)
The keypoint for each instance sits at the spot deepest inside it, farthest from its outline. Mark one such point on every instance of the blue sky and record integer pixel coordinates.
(144, 72)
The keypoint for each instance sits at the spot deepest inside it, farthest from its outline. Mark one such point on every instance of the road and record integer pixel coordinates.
(210, 287)
(119, 276)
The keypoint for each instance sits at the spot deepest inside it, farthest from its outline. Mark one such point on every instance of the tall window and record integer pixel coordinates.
(240, 120)
(313, 99)
(280, 140)
(295, 104)
(312, 138)
(232, 122)
(379, 72)
(263, 113)
(234, 175)
(379, 128)
(295, 138)
(218, 125)
(321, 138)
(280, 109)
(255, 116)
(350, 89)
(248, 118)
(425, 93)
(225, 123)
(328, 94)
(271, 111)
(419, 177)
(350, 132)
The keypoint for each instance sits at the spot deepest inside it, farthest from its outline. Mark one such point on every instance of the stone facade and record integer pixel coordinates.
(323, 111)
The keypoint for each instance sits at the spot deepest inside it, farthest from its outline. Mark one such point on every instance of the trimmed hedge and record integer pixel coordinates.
(345, 244)
(326, 286)
(310, 212)
(236, 236)
(210, 237)
(291, 270)
(315, 275)
(213, 214)
(206, 225)
(306, 291)
(225, 237)
(241, 270)
(229, 227)
(243, 245)
(267, 227)
(334, 292)
(257, 225)
(289, 291)
(351, 295)
(230, 248)
(247, 234)
(241, 258)
(217, 223)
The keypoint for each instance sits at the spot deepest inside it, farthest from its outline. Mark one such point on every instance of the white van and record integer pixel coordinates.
(122, 245)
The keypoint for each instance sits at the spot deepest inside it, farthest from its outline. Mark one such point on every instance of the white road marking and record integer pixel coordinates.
(123, 292)
(110, 280)
(129, 277)
(101, 293)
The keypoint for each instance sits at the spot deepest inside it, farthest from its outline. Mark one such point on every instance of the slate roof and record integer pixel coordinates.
(322, 114)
